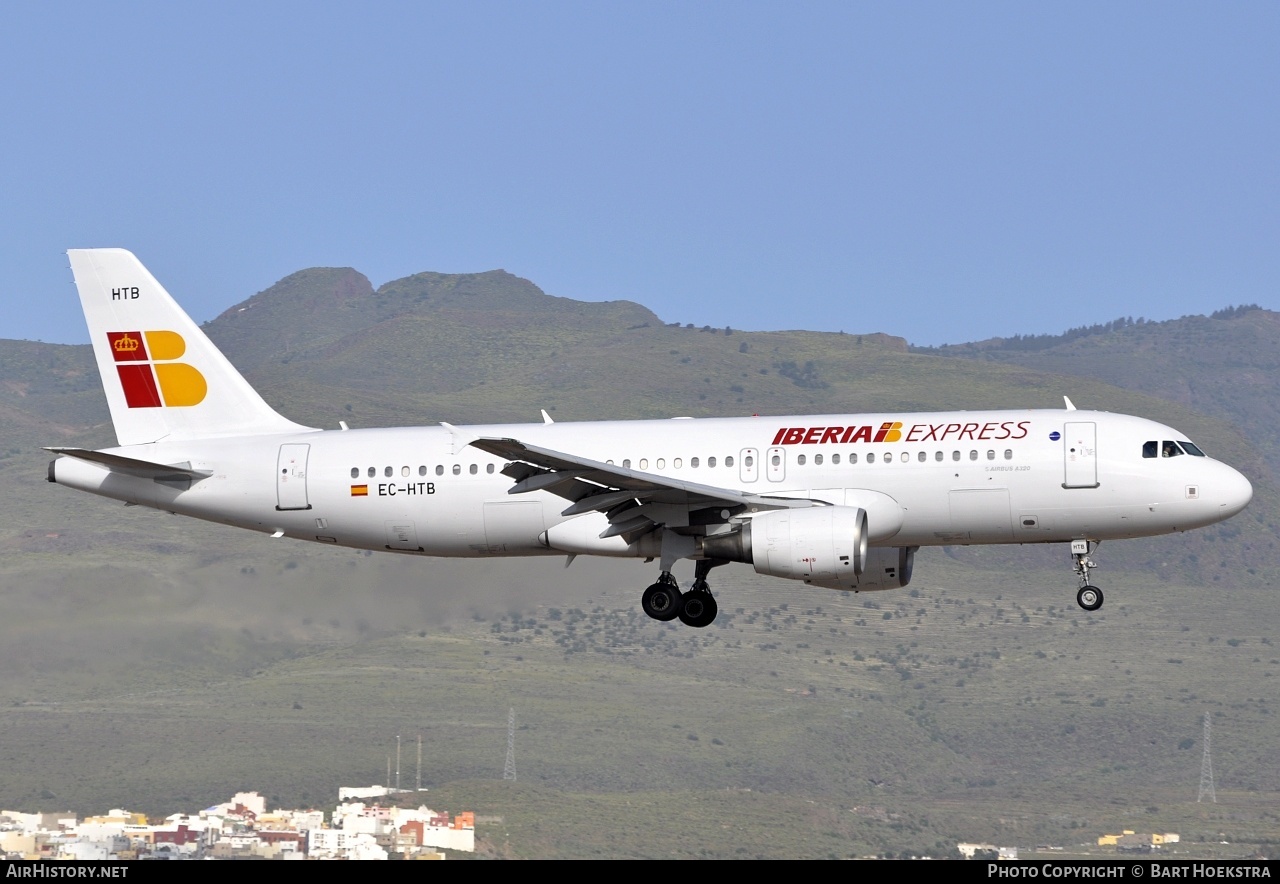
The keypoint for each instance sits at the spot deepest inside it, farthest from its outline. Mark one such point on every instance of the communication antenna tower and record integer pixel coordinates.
(419, 762)
(1206, 769)
(509, 770)
(397, 762)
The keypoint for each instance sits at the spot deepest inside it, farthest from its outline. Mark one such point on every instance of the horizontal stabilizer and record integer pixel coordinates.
(131, 465)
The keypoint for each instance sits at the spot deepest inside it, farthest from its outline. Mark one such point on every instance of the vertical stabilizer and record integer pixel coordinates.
(164, 379)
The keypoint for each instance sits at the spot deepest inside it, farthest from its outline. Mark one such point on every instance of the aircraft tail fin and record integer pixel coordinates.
(163, 377)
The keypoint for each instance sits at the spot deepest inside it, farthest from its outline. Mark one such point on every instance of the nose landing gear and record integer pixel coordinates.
(1088, 597)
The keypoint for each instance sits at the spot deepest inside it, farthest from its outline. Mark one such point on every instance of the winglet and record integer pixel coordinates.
(546, 418)
(1070, 407)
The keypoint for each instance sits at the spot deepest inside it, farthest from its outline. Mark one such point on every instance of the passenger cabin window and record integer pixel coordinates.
(457, 469)
(489, 468)
(711, 462)
(693, 462)
(955, 455)
(644, 463)
(373, 471)
(922, 456)
(474, 469)
(871, 457)
(422, 471)
(626, 463)
(355, 472)
(387, 472)
(1008, 454)
(817, 460)
(888, 457)
(973, 455)
(853, 458)
(835, 459)
(991, 455)
(937, 455)
(439, 469)
(799, 460)
(404, 471)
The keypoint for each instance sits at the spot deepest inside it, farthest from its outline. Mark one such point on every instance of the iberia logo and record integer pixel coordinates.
(150, 377)
(890, 431)
(893, 431)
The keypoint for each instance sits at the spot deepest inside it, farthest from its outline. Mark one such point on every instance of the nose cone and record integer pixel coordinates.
(1232, 491)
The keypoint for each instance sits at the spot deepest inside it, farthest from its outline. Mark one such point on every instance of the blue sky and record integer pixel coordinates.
(940, 171)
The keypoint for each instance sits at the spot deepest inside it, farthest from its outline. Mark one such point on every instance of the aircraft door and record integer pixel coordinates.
(749, 464)
(1080, 455)
(291, 477)
(776, 464)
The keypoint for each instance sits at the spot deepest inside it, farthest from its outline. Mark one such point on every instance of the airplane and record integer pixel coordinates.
(839, 501)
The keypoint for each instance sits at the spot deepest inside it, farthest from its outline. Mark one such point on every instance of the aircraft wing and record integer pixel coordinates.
(635, 502)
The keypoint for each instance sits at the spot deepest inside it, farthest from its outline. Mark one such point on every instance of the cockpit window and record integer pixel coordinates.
(1169, 448)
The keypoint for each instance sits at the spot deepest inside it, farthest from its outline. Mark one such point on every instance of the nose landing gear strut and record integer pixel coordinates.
(1088, 596)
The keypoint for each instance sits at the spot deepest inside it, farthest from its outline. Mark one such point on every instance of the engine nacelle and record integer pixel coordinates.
(888, 567)
(824, 545)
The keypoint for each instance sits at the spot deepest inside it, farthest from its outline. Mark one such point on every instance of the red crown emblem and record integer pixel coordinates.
(126, 344)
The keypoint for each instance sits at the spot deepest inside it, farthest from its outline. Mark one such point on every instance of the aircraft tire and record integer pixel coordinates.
(699, 609)
(662, 601)
(1089, 598)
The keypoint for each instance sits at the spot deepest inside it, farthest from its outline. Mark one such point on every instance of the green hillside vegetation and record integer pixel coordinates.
(160, 663)
(1226, 365)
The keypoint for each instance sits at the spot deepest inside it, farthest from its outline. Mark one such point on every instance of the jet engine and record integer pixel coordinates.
(888, 567)
(823, 546)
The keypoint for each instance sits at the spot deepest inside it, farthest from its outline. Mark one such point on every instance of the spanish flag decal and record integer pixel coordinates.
(359, 490)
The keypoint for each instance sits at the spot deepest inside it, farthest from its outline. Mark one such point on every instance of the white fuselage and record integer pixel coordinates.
(957, 477)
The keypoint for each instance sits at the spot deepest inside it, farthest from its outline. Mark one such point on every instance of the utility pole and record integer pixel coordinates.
(509, 770)
(1206, 768)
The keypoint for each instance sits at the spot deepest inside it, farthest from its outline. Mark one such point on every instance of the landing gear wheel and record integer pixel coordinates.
(662, 601)
(1089, 598)
(700, 607)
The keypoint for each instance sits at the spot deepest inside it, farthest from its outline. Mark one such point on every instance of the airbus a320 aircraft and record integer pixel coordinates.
(841, 501)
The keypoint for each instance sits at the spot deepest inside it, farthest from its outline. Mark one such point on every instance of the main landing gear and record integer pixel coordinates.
(1088, 597)
(697, 608)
